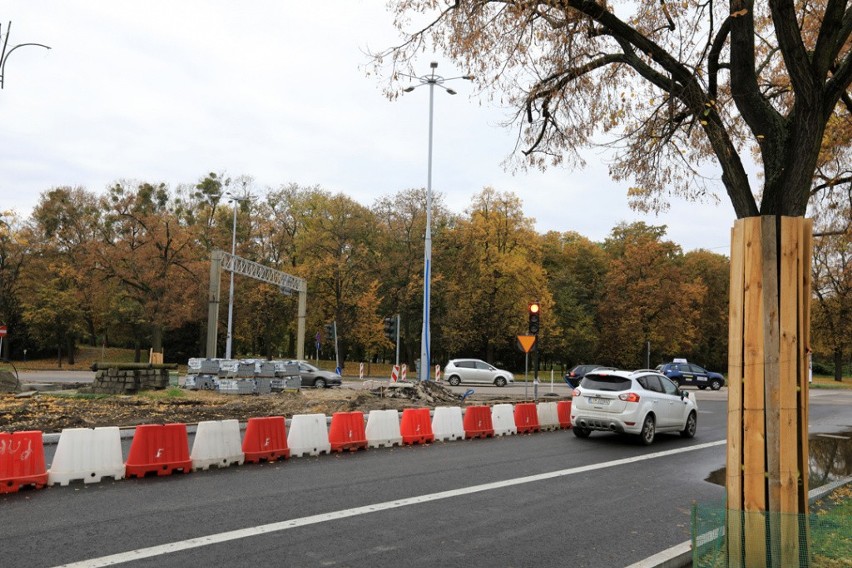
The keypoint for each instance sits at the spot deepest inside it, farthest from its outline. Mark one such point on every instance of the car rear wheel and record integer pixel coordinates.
(319, 383)
(581, 432)
(454, 381)
(715, 384)
(648, 431)
(500, 382)
(691, 426)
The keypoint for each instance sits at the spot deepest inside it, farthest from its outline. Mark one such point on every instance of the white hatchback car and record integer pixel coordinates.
(476, 371)
(632, 402)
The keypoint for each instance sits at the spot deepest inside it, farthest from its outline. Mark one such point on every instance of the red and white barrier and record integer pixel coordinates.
(383, 429)
(217, 442)
(548, 418)
(447, 423)
(308, 435)
(87, 454)
(21, 461)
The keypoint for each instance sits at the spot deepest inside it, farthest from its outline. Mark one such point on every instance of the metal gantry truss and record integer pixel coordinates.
(287, 283)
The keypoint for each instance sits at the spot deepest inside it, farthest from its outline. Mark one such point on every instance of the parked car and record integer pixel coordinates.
(574, 376)
(684, 373)
(314, 377)
(460, 371)
(641, 403)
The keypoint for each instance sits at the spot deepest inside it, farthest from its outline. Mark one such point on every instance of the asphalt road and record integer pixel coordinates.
(546, 499)
(554, 500)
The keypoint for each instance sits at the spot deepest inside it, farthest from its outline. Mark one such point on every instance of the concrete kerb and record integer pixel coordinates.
(680, 555)
(677, 556)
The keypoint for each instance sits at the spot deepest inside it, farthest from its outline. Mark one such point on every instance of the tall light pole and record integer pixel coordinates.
(229, 341)
(4, 55)
(425, 338)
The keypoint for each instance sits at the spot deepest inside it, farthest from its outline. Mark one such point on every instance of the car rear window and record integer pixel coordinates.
(605, 383)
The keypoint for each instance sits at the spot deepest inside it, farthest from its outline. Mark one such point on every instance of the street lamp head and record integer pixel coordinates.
(434, 65)
(408, 89)
(450, 91)
(469, 77)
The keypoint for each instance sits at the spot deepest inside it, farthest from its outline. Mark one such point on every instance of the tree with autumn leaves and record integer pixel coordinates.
(130, 268)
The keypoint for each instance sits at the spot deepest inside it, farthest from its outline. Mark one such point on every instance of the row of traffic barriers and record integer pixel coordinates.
(92, 454)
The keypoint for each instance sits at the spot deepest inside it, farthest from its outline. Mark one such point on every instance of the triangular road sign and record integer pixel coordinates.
(526, 342)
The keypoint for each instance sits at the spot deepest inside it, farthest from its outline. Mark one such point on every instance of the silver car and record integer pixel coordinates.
(460, 371)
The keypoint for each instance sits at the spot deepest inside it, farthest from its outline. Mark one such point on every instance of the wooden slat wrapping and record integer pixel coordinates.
(754, 435)
(788, 449)
(734, 460)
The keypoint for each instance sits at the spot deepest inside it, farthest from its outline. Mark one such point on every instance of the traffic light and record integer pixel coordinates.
(390, 328)
(534, 310)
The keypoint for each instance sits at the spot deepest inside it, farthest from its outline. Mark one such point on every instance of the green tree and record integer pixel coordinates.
(576, 270)
(153, 257)
(401, 221)
(67, 222)
(713, 272)
(15, 251)
(646, 298)
(337, 244)
(497, 272)
(832, 280)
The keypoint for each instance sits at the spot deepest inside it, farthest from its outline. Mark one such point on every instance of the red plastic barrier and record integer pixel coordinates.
(477, 422)
(347, 431)
(266, 439)
(158, 448)
(21, 461)
(416, 426)
(563, 412)
(526, 418)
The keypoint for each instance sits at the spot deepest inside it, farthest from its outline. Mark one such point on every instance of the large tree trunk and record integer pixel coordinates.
(767, 463)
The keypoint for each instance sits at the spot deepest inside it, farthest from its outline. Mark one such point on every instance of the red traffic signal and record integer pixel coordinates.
(534, 308)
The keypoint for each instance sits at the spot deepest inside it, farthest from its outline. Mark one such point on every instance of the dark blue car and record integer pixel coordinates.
(684, 373)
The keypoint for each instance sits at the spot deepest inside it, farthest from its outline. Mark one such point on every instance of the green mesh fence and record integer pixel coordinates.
(722, 538)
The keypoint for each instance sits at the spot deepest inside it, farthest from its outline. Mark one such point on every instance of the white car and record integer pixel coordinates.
(476, 371)
(632, 402)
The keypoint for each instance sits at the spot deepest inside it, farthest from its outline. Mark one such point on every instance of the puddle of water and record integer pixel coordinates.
(830, 460)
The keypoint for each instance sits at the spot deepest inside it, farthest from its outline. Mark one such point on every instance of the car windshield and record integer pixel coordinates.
(605, 383)
(307, 367)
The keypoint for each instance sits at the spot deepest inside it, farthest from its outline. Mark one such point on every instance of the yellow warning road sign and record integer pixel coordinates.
(526, 342)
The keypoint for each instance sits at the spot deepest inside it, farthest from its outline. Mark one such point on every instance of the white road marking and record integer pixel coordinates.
(191, 543)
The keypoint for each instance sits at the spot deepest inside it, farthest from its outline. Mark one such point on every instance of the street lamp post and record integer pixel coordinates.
(229, 340)
(4, 55)
(425, 338)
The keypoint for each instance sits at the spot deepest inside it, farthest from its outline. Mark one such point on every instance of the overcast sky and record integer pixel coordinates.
(165, 91)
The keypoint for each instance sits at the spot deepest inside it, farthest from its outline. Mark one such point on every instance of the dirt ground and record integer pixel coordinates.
(53, 411)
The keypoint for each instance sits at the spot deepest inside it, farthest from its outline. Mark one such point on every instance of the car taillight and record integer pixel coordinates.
(572, 374)
(576, 392)
(629, 397)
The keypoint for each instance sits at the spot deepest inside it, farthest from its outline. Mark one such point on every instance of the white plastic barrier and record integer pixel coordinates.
(447, 423)
(548, 416)
(308, 434)
(217, 442)
(503, 419)
(87, 454)
(383, 428)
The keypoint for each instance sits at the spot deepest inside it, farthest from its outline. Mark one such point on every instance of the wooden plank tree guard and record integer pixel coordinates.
(767, 461)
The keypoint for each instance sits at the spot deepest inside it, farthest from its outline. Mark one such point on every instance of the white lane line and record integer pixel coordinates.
(191, 543)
